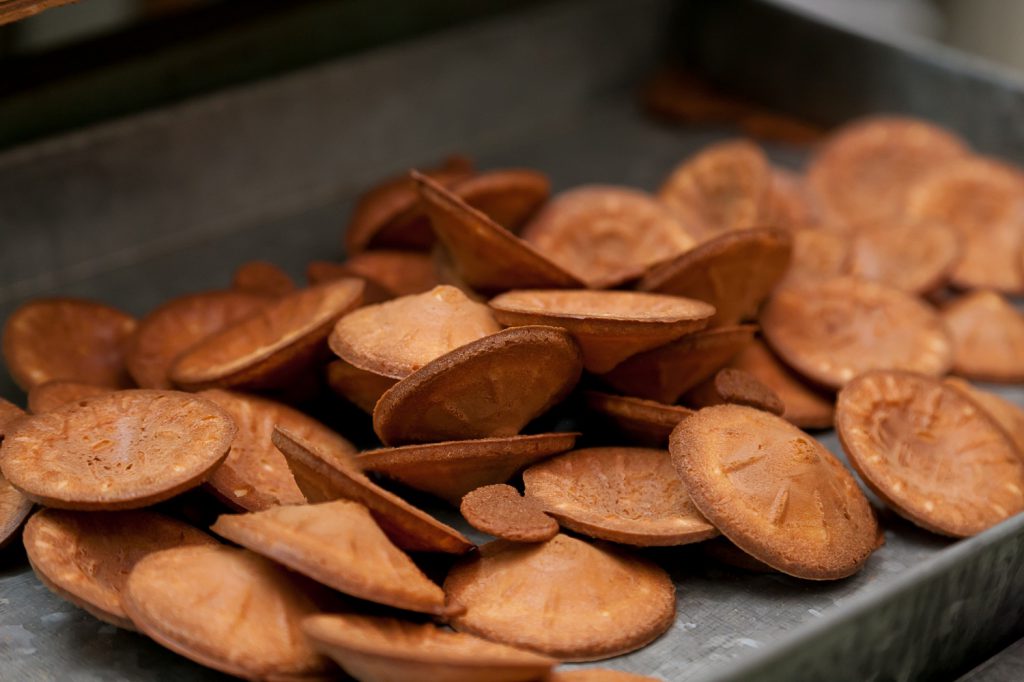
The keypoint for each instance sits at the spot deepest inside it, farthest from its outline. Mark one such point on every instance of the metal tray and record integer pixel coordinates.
(168, 202)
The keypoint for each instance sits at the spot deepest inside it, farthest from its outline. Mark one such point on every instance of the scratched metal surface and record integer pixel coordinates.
(148, 208)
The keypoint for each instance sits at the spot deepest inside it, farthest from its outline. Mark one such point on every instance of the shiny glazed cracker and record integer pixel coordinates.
(122, 450)
(85, 557)
(609, 326)
(339, 545)
(564, 598)
(67, 338)
(627, 495)
(245, 620)
(450, 469)
(931, 453)
(774, 491)
(391, 650)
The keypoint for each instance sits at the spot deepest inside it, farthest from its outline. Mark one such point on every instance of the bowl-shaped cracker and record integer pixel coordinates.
(500, 510)
(483, 253)
(1008, 415)
(803, 405)
(338, 544)
(263, 278)
(508, 196)
(665, 373)
(121, 450)
(988, 337)
(227, 609)
(400, 273)
(67, 338)
(451, 469)
(818, 254)
(177, 325)
(646, 422)
(726, 186)
(266, 349)
(606, 235)
(255, 475)
(14, 507)
(627, 495)
(929, 452)
(610, 326)
(774, 491)
(49, 396)
(396, 338)
(389, 650)
(8, 413)
(488, 388)
(734, 272)
(388, 216)
(565, 598)
(834, 330)
(361, 387)
(868, 167)
(85, 557)
(914, 256)
(325, 474)
(735, 386)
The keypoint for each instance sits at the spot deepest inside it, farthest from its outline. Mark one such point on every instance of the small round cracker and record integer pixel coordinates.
(983, 200)
(324, 474)
(338, 544)
(564, 598)
(803, 405)
(453, 468)
(834, 330)
(488, 388)
(271, 346)
(401, 273)
(388, 215)
(610, 326)
(85, 557)
(67, 338)
(398, 337)
(227, 609)
(726, 186)
(255, 475)
(987, 332)
(122, 450)
(818, 254)
(362, 388)
(645, 421)
(774, 491)
(734, 272)
(509, 196)
(485, 255)
(500, 510)
(383, 649)
(1006, 414)
(867, 168)
(606, 235)
(48, 396)
(263, 278)
(627, 495)
(737, 387)
(929, 452)
(177, 325)
(913, 256)
(665, 373)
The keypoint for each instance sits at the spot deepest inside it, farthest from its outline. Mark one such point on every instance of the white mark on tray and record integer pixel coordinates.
(15, 639)
(752, 643)
(687, 626)
(814, 612)
(56, 617)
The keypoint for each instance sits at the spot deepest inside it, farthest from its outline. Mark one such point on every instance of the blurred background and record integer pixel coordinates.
(82, 62)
